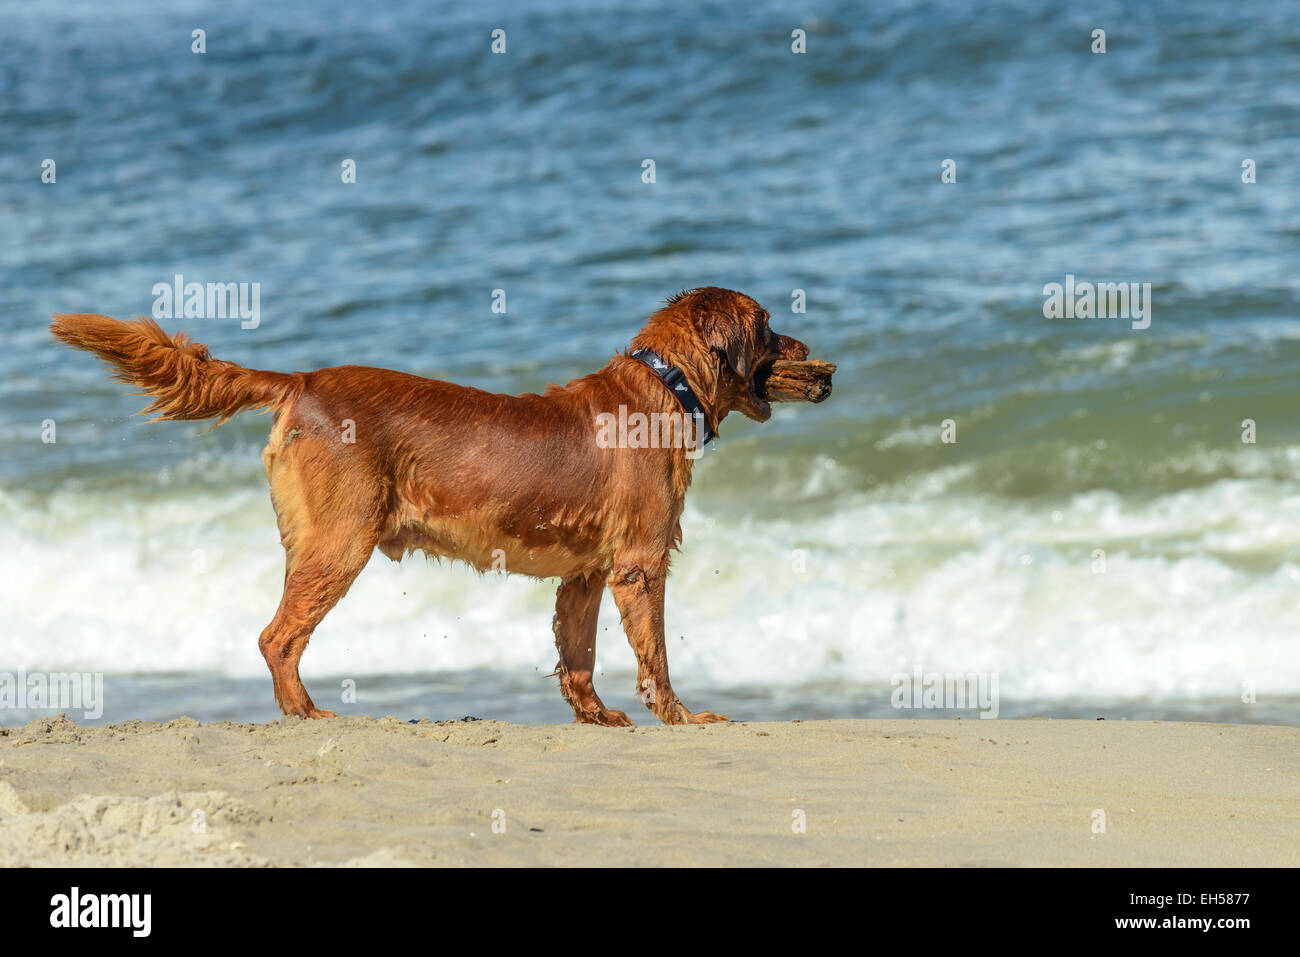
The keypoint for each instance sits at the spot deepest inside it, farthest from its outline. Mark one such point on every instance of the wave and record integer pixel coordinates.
(1194, 594)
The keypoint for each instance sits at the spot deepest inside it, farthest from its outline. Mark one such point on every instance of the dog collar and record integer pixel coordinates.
(675, 379)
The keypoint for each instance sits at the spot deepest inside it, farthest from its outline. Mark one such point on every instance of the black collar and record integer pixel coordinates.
(675, 380)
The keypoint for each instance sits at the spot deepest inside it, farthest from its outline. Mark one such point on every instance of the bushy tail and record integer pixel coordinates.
(184, 381)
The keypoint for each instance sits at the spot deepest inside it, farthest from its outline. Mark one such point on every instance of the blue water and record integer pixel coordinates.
(149, 552)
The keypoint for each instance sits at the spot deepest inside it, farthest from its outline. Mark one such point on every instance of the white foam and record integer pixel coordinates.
(1198, 594)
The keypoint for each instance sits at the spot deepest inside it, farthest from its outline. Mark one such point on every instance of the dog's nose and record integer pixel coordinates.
(792, 349)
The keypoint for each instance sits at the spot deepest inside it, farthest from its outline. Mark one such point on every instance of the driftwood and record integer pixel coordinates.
(788, 381)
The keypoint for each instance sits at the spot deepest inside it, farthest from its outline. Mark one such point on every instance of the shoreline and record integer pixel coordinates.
(384, 792)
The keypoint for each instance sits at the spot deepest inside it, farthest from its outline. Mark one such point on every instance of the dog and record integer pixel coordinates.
(361, 458)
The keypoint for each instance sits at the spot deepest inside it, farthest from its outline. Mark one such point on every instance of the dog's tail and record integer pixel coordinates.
(184, 381)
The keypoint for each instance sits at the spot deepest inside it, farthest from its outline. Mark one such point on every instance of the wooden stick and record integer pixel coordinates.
(788, 381)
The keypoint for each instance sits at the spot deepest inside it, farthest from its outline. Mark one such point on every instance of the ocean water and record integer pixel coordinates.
(1099, 537)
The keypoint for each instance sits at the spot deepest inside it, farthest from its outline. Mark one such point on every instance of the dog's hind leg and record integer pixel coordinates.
(577, 604)
(329, 524)
(313, 584)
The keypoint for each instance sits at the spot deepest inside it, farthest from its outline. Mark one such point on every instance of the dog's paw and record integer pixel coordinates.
(679, 715)
(314, 712)
(606, 717)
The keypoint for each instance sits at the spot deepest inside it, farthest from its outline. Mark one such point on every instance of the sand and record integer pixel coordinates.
(383, 792)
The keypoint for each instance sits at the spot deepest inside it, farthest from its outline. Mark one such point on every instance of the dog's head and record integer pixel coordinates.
(721, 339)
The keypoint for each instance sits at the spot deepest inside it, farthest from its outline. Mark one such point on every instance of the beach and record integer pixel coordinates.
(384, 792)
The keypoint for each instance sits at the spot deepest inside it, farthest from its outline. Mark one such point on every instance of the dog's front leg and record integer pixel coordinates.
(638, 589)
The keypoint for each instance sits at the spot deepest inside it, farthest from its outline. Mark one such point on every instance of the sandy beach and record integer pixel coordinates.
(383, 792)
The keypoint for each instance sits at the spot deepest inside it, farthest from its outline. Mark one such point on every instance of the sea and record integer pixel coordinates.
(1094, 517)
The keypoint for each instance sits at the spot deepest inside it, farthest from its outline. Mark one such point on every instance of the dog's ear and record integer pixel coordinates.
(726, 335)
